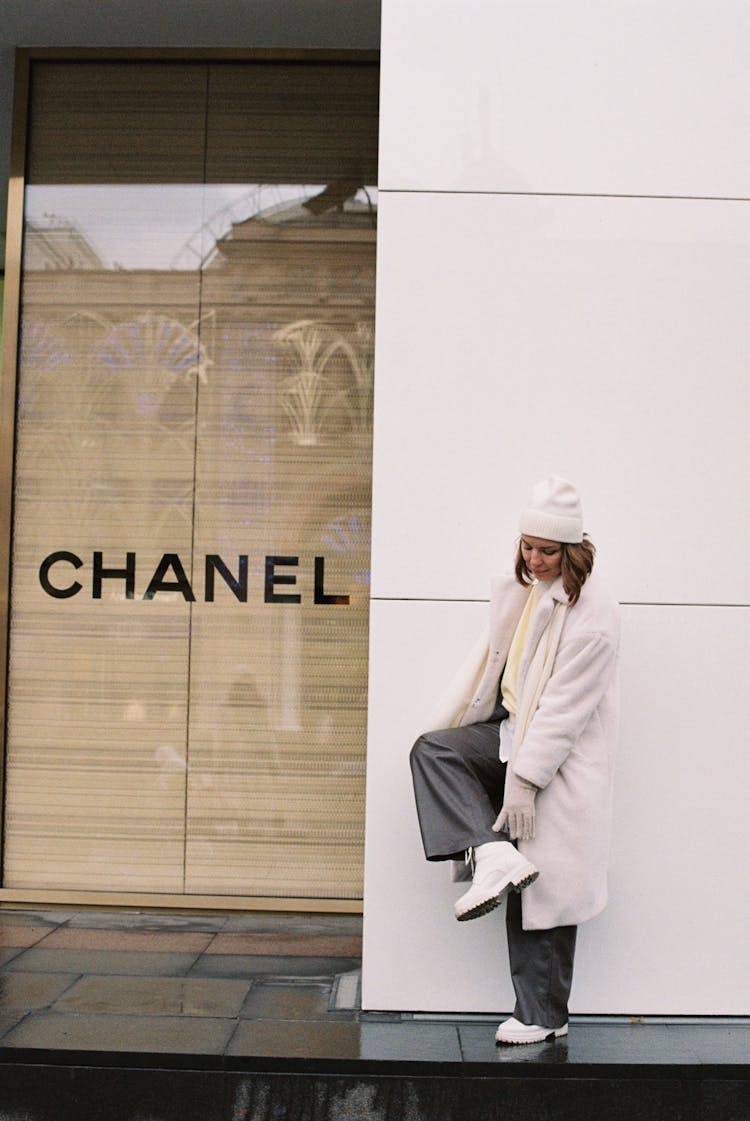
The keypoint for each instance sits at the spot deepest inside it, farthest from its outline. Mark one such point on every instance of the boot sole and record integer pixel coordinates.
(550, 1036)
(484, 906)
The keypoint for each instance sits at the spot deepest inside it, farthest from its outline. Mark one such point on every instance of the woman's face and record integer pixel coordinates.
(543, 558)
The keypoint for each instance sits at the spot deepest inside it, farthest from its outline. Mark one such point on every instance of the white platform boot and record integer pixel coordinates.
(498, 868)
(513, 1031)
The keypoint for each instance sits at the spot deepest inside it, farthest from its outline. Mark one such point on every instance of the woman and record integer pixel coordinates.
(519, 782)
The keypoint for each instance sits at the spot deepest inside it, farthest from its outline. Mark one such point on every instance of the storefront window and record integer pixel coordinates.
(188, 647)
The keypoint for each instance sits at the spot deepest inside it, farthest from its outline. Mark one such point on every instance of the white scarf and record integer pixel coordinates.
(538, 674)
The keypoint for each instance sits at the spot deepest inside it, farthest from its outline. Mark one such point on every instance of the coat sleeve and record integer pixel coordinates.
(582, 673)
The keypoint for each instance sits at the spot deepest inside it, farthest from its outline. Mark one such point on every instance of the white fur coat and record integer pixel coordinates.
(565, 737)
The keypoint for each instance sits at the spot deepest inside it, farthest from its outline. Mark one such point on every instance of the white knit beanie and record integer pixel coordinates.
(554, 512)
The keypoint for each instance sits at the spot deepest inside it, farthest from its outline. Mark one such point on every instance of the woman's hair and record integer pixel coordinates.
(575, 567)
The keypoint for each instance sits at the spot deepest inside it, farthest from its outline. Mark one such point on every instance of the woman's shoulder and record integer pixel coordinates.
(503, 582)
(507, 601)
(596, 609)
(506, 589)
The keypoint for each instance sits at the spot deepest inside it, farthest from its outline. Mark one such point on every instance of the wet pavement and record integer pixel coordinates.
(279, 988)
(192, 984)
(256, 1017)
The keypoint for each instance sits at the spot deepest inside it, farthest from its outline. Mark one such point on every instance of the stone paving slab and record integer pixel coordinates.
(57, 1031)
(8, 953)
(101, 962)
(7, 1022)
(613, 1043)
(360, 1042)
(27, 991)
(296, 1039)
(249, 965)
(34, 918)
(293, 923)
(23, 935)
(146, 920)
(288, 1000)
(155, 996)
(284, 944)
(84, 938)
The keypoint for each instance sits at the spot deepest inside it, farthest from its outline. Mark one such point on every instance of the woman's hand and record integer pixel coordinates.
(518, 811)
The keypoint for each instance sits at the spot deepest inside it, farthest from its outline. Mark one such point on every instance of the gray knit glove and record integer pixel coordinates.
(518, 808)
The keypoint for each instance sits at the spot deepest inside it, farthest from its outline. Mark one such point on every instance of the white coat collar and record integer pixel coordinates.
(554, 591)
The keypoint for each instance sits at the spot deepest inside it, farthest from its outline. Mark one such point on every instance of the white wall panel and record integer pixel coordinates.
(673, 939)
(526, 326)
(614, 97)
(604, 339)
(416, 956)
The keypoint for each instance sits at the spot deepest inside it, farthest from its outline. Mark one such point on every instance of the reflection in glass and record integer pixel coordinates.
(195, 381)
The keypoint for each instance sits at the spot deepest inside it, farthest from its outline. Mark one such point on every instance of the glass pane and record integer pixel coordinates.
(110, 361)
(278, 689)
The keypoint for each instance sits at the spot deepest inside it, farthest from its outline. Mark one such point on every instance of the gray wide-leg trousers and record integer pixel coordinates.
(458, 786)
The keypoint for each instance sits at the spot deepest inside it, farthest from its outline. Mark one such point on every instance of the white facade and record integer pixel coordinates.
(563, 262)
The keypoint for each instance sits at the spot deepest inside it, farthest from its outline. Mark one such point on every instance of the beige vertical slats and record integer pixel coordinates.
(98, 687)
(213, 747)
(278, 691)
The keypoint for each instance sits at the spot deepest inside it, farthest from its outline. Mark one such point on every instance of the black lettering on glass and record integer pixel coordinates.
(101, 573)
(320, 577)
(46, 565)
(273, 577)
(214, 563)
(159, 584)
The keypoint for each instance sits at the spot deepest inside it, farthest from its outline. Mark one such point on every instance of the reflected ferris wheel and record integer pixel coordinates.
(198, 250)
(269, 200)
(200, 247)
